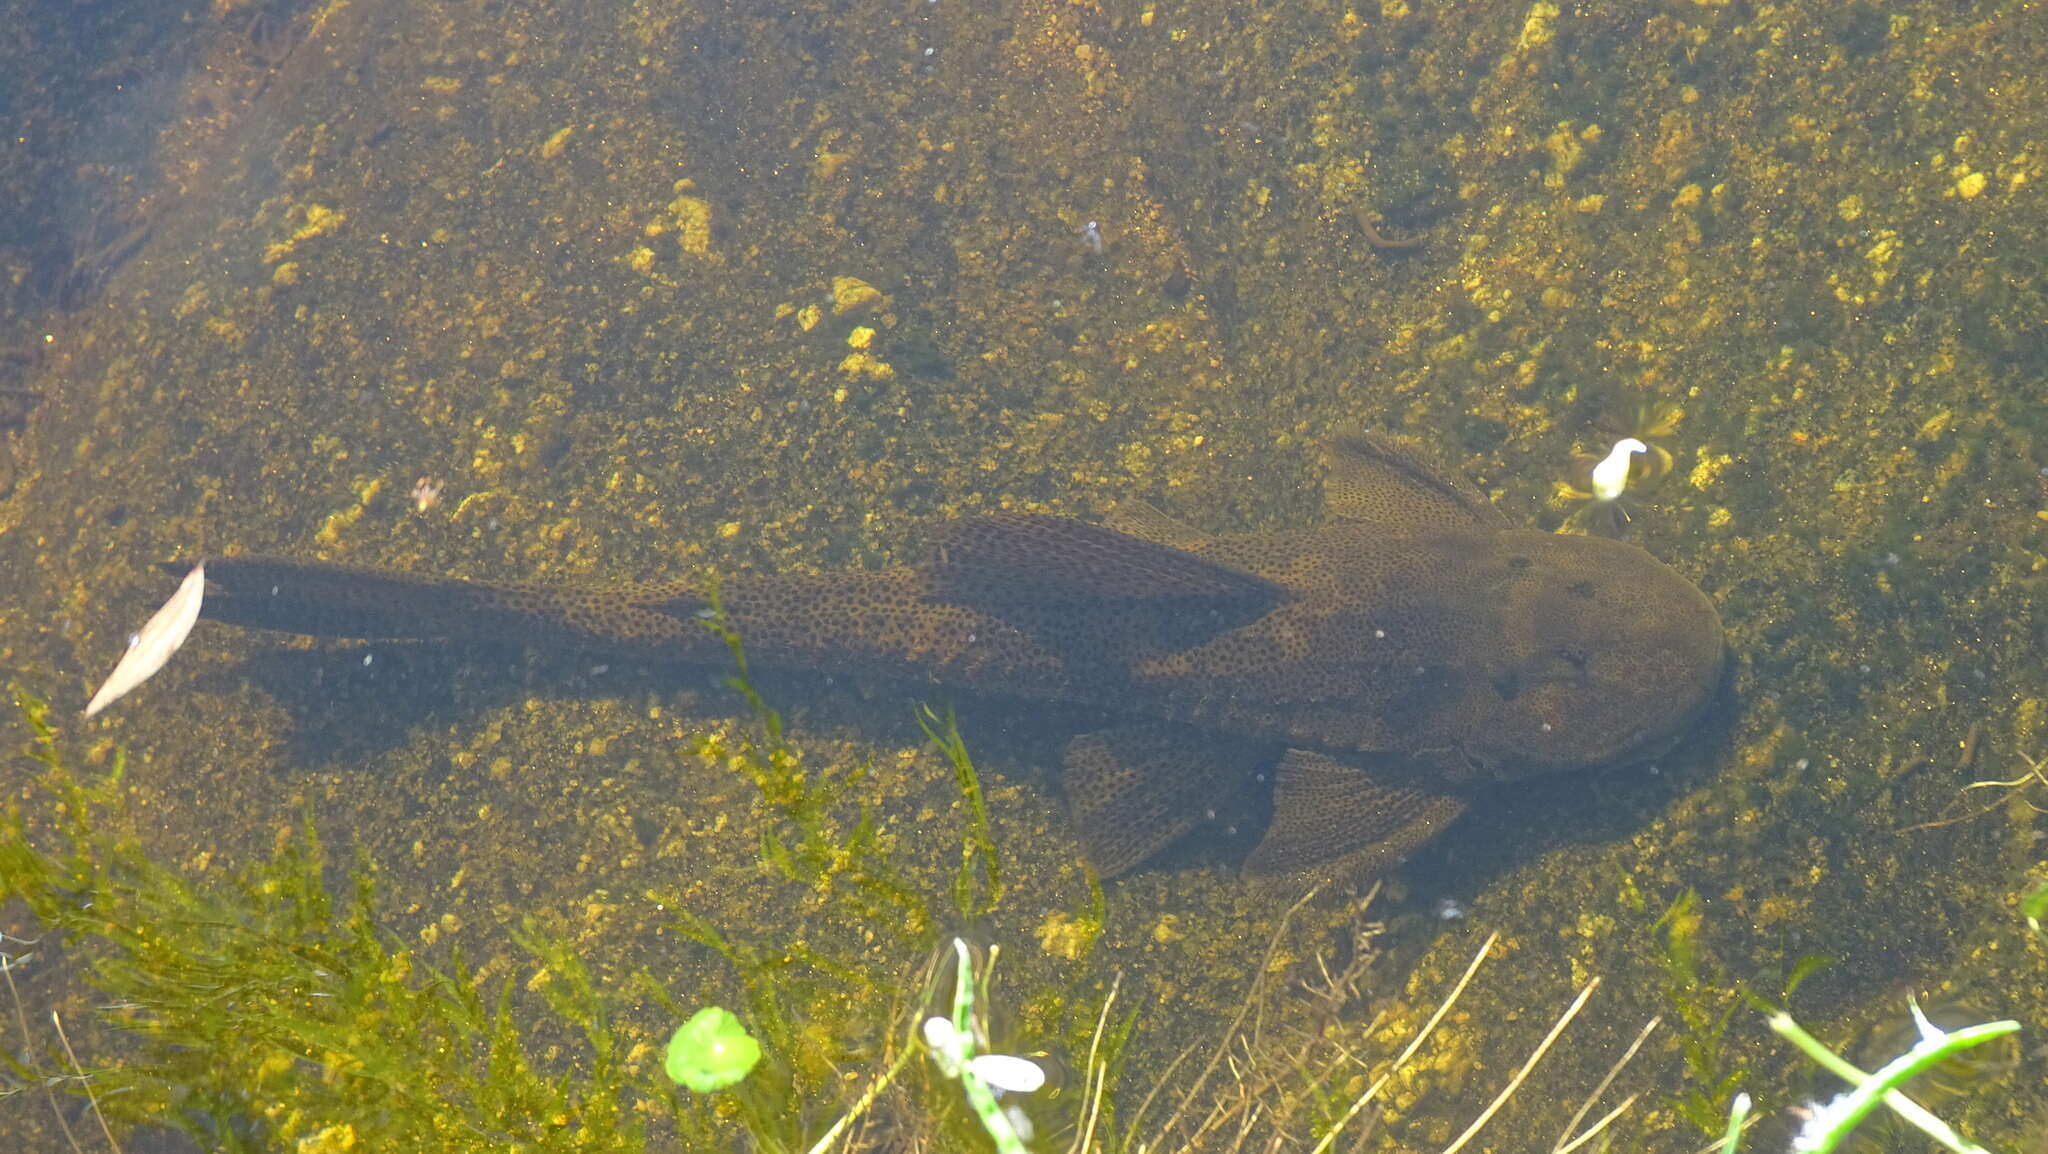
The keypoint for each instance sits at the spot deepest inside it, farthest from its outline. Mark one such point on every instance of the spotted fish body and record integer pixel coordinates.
(1381, 665)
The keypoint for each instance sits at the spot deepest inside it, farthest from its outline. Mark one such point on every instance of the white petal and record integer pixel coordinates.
(1008, 1072)
(939, 1033)
(1019, 1121)
(1610, 476)
(157, 641)
(1929, 1032)
(944, 1043)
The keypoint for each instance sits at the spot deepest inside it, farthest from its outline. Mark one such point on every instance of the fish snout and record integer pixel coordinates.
(1607, 689)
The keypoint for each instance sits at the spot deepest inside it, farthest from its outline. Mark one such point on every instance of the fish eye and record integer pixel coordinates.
(1581, 589)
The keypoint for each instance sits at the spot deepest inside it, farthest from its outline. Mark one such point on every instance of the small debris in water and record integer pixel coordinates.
(150, 648)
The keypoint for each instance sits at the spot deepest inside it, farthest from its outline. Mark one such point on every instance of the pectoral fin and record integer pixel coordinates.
(1136, 789)
(1035, 558)
(1377, 482)
(1343, 819)
(1140, 518)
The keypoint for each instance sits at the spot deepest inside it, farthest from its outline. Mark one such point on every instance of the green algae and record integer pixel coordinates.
(812, 848)
(267, 1012)
(1705, 1004)
(980, 867)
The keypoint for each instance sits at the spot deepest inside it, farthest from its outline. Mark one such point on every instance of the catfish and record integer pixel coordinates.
(1373, 671)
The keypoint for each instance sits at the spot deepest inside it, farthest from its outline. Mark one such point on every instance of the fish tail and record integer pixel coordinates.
(320, 599)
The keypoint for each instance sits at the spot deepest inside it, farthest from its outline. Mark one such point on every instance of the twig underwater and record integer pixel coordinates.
(7, 964)
(1252, 999)
(1565, 1142)
(85, 1081)
(1443, 1008)
(1095, 1071)
(2014, 788)
(1253, 1107)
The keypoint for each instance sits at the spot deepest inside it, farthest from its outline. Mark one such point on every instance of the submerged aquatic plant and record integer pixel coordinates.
(1831, 1124)
(956, 1045)
(1605, 485)
(978, 848)
(265, 1011)
(710, 1051)
(1706, 1000)
(806, 841)
(1706, 1004)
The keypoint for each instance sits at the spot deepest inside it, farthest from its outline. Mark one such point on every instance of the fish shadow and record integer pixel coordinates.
(349, 702)
(354, 701)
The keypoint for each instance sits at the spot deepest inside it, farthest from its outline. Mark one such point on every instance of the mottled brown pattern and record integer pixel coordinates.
(1415, 641)
(1342, 812)
(1136, 789)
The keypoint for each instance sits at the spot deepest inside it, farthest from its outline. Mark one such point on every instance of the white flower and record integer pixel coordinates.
(1610, 476)
(1004, 1073)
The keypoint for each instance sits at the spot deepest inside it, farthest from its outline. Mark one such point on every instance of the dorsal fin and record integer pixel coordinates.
(1377, 482)
(1032, 557)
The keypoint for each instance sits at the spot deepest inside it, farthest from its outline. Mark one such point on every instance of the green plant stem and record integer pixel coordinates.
(1871, 1089)
(1738, 1113)
(944, 734)
(979, 1095)
(867, 1100)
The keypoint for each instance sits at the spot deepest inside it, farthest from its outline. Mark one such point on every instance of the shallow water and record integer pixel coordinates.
(642, 290)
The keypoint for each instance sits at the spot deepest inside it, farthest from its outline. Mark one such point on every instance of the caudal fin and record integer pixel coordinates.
(321, 599)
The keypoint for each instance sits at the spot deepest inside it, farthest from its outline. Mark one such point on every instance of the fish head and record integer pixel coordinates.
(1604, 655)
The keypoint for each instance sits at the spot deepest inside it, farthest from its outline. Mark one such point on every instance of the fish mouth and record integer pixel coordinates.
(1587, 734)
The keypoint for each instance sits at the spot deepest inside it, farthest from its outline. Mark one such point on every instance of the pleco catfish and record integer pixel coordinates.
(1377, 668)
